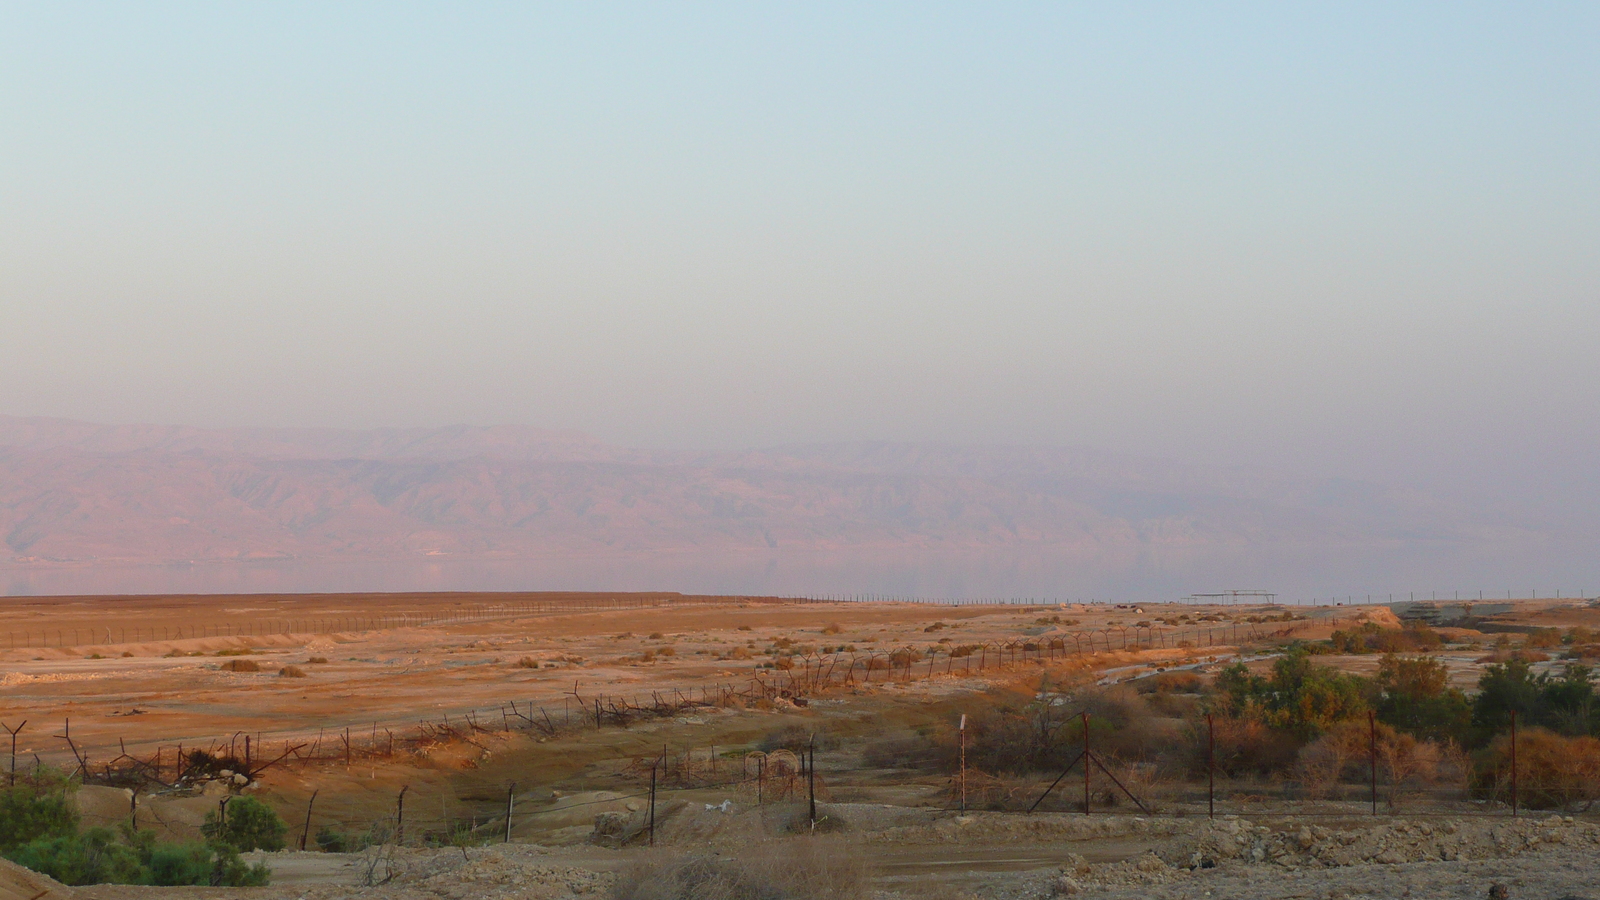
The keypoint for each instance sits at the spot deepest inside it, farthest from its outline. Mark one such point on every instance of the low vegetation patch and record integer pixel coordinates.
(39, 830)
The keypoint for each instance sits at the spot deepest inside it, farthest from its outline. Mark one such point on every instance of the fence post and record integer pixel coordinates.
(963, 730)
(307, 830)
(811, 779)
(653, 765)
(1211, 767)
(400, 817)
(1085, 763)
(14, 731)
(510, 797)
(1513, 763)
(1372, 753)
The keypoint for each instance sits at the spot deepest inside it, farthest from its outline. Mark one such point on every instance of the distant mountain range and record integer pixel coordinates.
(75, 491)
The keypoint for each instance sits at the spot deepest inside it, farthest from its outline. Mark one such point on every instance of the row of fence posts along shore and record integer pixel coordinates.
(791, 679)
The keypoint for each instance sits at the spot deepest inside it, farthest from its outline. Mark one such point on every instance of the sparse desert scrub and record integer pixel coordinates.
(241, 665)
(796, 738)
(1345, 753)
(1554, 772)
(317, 661)
(291, 672)
(527, 662)
(1171, 682)
(798, 869)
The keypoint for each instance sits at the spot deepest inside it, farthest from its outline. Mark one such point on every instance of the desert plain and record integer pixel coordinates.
(505, 745)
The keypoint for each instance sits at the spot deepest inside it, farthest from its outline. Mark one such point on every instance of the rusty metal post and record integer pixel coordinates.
(1514, 763)
(1085, 763)
(811, 779)
(14, 731)
(1211, 767)
(307, 829)
(400, 816)
(653, 802)
(511, 793)
(1372, 753)
(963, 730)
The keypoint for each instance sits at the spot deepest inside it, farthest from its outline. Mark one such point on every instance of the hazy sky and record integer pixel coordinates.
(1346, 238)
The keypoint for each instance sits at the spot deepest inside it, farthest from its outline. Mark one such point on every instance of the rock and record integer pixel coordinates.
(1499, 892)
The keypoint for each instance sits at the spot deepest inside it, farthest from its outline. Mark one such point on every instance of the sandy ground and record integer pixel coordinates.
(168, 692)
(982, 856)
(386, 678)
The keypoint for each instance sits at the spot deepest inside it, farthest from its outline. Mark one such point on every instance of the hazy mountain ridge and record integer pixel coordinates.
(78, 491)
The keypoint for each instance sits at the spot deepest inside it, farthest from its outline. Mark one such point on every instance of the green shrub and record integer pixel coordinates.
(93, 857)
(1415, 696)
(249, 825)
(1299, 696)
(97, 856)
(331, 840)
(38, 810)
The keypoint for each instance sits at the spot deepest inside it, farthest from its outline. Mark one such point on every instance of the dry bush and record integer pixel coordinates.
(1554, 772)
(1170, 683)
(317, 661)
(907, 751)
(241, 665)
(1584, 651)
(833, 628)
(1175, 706)
(1502, 655)
(527, 662)
(799, 869)
(656, 635)
(1543, 639)
(1244, 745)
(961, 650)
(744, 627)
(1344, 752)
(666, 651)
(739, 653)
(291, 672)
(796, 738)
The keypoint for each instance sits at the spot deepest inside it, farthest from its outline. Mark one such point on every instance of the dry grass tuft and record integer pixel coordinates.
(291, 672)
(801, 869)
(241, 665)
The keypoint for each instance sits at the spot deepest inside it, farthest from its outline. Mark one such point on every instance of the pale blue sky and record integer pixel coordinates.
(1345, 238)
